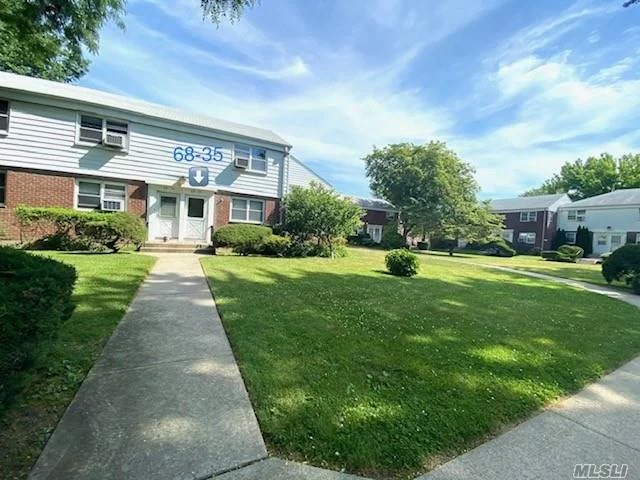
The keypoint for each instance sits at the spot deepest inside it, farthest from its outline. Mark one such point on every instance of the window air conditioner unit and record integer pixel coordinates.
(242, 162)
(112, 205)
(116, 140)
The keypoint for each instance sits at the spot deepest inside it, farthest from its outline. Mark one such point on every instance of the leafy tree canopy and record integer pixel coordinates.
(46, 38)
(434, 190)
(593, 176)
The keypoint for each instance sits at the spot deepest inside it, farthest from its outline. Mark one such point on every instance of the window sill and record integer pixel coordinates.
(80, 144)
(246, 221)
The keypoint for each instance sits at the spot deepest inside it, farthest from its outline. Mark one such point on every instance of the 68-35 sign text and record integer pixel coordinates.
(189, 154)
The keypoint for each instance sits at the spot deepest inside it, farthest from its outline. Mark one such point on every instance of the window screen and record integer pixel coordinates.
(88, 195)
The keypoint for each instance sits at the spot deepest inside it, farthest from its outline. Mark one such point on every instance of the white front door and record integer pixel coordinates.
(607, 242)
(375, 232)
(195, 224)
(168, 216)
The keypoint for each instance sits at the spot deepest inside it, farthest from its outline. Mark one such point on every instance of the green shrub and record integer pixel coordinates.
(391, 239)
(78, 230)
(337, 250)
(237, 235)
(623, 264)
(301, 250)
(36, 298)
(275, 245)
(498, 247)
(401, 262)
(362, 239)
(573, 251)
(557, 256)
(423, 245)
(247, 248)
(635, 284)
(114, 231)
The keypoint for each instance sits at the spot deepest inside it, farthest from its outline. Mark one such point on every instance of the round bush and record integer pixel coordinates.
(573, 251)
(240, 235)
(275, 245)
(401, 262)
(623, 264)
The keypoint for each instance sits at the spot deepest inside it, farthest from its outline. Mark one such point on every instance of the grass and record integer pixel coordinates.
(351, 368)
(105, 286)
(575, 271)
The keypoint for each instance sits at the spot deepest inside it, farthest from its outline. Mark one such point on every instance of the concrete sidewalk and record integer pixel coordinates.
(165, 400)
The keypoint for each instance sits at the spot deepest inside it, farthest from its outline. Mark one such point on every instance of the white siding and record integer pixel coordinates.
(298, 174)
(43, 137)
(614, 219)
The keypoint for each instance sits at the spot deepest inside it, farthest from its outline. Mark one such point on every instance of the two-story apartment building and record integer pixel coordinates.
(69, 146)
(613, 219)
(530, 222)
(377, 214)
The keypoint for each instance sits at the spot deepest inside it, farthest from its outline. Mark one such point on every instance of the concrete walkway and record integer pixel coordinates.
(599, 425)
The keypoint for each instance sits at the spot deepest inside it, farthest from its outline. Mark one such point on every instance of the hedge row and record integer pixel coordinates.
(565, 253)
(36, 298)
(78, 230)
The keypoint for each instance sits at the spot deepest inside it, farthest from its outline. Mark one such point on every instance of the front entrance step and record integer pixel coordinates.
(175, 247)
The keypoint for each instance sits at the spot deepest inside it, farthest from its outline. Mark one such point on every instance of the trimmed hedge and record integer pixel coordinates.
(36, 298)
(78, 230)
(401, 262)
(573, 251)
(624, 265)
(240, 235)
(275, 245)
(565, 253)
(498, 248)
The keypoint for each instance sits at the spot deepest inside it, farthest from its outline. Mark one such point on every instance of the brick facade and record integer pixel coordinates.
(47, 189)
(544, 235)
(376, 217)
(223, 207)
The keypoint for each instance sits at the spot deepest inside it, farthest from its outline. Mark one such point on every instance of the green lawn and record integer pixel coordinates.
(349, 367)
(575, 271)
(106, 284)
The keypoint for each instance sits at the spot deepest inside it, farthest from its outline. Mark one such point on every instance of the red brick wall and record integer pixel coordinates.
(46, 189)
(375, 217)
(223, 206)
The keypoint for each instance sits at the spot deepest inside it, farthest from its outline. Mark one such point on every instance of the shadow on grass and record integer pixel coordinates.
(386, 376)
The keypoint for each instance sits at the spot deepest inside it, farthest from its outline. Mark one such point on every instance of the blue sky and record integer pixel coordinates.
(515, 88)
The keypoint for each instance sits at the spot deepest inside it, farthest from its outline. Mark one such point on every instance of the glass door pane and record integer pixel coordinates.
(168, 206)
(195, 207)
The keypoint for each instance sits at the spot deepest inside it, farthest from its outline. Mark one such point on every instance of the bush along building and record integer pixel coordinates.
(183, 174)
(530, 222)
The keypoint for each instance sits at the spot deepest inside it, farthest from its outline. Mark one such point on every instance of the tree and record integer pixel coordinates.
(593, 176)
(216, 10)
(320, 213)
(559, 239)
(434, 190)
(628, 3)
(46, 38)
(584, 239)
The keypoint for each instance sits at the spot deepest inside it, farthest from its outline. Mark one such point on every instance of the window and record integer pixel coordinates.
(602, 240)
(527, 237)
(577, 215)
(101, 196)
(257, 157)
(528, 216)
(4, 116)
(638, 238)
(3, 187)
(168, 206)
(571, 237)
(95, 129)
(245, 210)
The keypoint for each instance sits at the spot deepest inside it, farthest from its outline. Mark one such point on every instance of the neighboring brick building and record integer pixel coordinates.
(530, 222)
(378, 213)
(68, 146)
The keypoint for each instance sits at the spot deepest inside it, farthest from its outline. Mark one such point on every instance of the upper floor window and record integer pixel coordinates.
(4, 116)
(528, 216)
(3, 188)
(101, 196)
(577, 215)
(98, 130)
(251, 158)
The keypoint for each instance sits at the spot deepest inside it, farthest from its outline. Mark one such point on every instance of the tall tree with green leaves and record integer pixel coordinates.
(434, 190)
(593, 176)
(47, 38)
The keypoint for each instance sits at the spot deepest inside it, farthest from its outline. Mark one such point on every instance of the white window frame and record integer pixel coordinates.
(8, 115)
(528, 236)
(576, 216)
(573, 234)
(527, 216)
(251, 158)
(86, 143)
(246, 216)
(102, 197)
